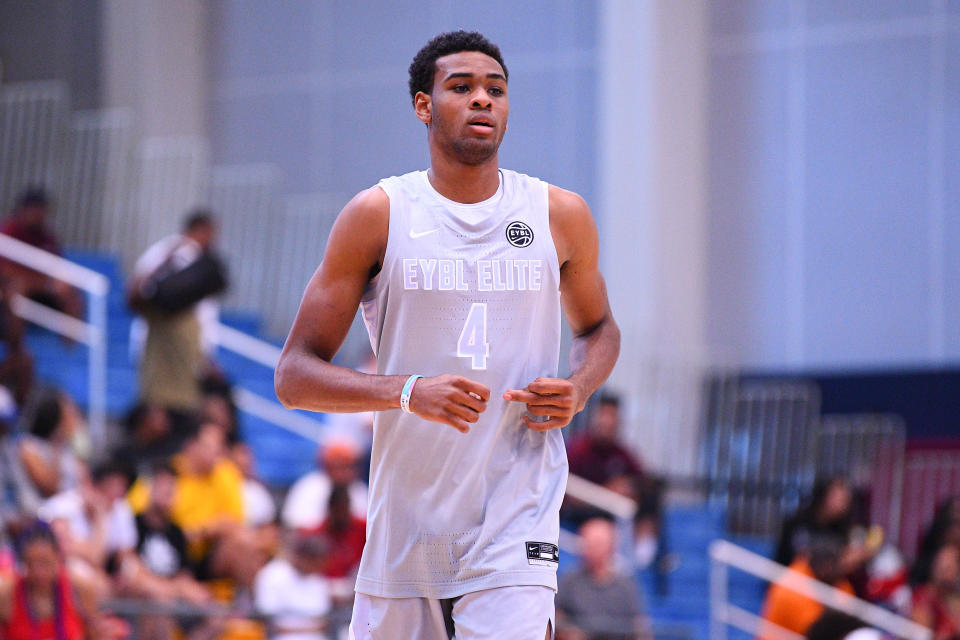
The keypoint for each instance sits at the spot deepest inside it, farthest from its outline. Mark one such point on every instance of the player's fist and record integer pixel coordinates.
(451, 400)
(551, 402)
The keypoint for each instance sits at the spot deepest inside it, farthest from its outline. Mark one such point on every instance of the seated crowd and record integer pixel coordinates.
(192, 531)
(168, 523)
(830, 541)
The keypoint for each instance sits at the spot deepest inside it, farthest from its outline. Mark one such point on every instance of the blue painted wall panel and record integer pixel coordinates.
(866, 244)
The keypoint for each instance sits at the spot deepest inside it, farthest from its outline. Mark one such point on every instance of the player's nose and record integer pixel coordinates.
(481, 100)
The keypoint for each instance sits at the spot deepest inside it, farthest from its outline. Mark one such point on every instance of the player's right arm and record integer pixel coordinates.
(306, 377)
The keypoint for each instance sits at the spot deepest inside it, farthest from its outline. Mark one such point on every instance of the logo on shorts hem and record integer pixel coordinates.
(542, 553)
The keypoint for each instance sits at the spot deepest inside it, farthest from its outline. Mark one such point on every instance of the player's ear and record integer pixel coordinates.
(423, 107)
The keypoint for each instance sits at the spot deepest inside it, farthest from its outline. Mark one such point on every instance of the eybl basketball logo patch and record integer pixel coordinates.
(542, 553)
(519, 234)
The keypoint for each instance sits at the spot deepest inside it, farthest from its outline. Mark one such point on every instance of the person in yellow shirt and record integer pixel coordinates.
(787, 604)
(209, 494)
(208, 507)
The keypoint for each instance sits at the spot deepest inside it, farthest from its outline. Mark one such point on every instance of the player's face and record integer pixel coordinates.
(469, 106)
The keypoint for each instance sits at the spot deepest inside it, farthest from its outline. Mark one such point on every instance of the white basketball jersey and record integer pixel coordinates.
(468, 289)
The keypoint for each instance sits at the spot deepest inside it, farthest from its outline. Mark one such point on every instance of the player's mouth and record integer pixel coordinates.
(481, 125)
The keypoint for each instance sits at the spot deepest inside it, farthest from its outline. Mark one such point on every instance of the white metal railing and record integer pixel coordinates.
(92, 333)
(266, 354)
(723, 613)
(619, 506)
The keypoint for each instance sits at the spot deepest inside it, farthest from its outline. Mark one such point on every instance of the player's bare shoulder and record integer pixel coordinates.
(360, 230)
(571, 224)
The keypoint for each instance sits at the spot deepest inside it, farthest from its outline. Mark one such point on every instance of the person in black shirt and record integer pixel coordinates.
(162, 545)
(832, 511)
(829, 512)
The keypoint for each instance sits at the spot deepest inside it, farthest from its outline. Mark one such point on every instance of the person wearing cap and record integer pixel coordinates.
(307, 502)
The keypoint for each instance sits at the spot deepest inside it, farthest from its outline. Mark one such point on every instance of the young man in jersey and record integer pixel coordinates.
(461, 271)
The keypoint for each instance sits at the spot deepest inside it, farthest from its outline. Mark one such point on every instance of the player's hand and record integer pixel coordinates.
(554, 400)
(450, 400)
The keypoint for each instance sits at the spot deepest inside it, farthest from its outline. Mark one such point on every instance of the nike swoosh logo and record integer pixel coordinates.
(420, 234)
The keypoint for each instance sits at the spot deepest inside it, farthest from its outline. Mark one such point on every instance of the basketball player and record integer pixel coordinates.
(461, 271)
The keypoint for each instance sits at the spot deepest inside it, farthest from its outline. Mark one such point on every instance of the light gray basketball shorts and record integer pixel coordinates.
(504, 613)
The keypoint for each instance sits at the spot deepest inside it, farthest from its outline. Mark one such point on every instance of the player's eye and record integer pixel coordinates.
(496, 91)
(460, 88)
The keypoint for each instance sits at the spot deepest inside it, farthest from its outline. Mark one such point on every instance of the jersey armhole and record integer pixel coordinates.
(555, 255)
(388, 190)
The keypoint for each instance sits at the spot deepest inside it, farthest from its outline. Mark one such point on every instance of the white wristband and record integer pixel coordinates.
(407, 390)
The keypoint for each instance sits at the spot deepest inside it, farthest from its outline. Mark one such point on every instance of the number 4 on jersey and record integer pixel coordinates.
(473, 337)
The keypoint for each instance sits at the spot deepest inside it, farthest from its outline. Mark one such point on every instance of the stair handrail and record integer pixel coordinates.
(268, 355)
(92, 332)
(724, 554)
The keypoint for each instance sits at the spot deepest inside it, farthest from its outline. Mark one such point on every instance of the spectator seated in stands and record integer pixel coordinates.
(292, 591)
(346, 533)
(93, 521)
(46, 600)
(830, 512)
(597, 601)
(944, 530)
(306, 504)
(787, 604)
(208, 507)
(159, 569)
(598, 455)
(217, 406)
(45, 454)
(162, 546)
(149, 438)
(936, 604)
(28, 223)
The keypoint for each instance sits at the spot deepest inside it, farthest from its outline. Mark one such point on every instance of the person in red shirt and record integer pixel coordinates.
(28, 223)
(44, 601)
(936, 604)
(599, 456)
(346, 533)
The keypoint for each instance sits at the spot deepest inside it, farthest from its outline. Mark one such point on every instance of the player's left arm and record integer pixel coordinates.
(583, 295)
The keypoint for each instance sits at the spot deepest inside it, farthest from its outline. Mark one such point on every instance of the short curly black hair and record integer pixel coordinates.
(424, 65)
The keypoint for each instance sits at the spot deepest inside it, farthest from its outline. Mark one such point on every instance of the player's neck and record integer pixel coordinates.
(464, 183)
